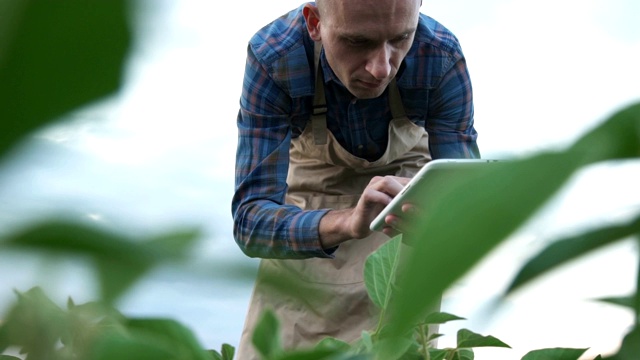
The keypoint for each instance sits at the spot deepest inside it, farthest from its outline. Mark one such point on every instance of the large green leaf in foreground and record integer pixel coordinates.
(56, 56)
(474, 213)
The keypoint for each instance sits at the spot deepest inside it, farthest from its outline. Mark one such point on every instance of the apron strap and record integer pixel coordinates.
(395, 102)
(319, 116)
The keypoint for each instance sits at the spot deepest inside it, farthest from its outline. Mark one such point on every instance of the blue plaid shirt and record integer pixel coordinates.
(276, 103)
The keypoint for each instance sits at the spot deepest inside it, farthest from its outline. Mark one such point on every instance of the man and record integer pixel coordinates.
(342, 102)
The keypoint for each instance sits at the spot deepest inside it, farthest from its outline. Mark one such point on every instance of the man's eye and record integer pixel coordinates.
(401, 38)
(357, 42)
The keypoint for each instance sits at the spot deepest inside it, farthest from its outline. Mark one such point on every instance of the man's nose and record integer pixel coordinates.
(379, 65)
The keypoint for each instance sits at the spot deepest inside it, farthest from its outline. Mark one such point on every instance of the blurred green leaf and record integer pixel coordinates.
(617, 138)
(470, 339)
(122, 346)
(86, 322)
(441, 354)
(380, 272)
(228, 352)
(333, 344)
(441, 318)
(366, 341)
(172, 245)
(178, 339)
(118, 272)
(626, 301)
(562, 251)
(91, 331)
(34, 323)
(392, 348)
(630, 347)
(476, 211)
(554, 354)
(464, 354)
(313, 354)
(215, 355)
(120, 260)
(266, 336)
(56, 57)
(289, 285)
(489, 203)
(115, 276)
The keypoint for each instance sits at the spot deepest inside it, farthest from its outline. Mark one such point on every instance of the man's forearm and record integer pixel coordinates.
(334, 228)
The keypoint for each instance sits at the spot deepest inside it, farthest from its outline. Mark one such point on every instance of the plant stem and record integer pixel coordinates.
(424, 342)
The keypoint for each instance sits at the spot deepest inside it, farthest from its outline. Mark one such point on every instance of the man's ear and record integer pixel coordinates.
(312, 17)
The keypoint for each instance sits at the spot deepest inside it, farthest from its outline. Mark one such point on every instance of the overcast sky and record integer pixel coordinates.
(162, 152)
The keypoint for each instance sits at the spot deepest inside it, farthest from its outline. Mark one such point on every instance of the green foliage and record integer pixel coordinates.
(469, 339)
(490, 203)
(380, 272)
(227, 353)
(266, 337)
(564, 250)
(93, 331)
(35, 323)
(630, 347)
(555, 353)
(119, 260)
(56, 57)
(625, 301)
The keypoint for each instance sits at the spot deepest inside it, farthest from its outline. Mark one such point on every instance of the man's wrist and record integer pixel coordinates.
(334, 228)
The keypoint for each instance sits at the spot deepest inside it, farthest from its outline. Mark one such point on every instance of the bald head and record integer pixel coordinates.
(327, 6)
(364, 40)
(323, 5)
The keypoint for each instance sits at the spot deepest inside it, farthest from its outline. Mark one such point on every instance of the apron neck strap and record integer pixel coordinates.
(395, 102)
(319, 116)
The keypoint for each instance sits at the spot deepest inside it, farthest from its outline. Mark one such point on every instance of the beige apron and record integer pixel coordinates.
(327, 297)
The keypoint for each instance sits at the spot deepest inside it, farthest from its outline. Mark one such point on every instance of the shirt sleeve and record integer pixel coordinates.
(450, 125)
(264, 226)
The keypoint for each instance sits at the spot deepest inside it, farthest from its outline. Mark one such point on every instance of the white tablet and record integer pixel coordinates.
(421, 182)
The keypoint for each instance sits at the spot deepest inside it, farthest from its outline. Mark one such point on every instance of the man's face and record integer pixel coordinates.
(365, 41)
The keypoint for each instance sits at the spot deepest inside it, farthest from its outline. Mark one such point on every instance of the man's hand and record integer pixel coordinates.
(397, 223)
(341, 225)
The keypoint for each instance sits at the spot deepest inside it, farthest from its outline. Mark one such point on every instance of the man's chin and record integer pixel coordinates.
(366, 92)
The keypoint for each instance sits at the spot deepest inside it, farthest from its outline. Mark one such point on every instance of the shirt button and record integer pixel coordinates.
(360, 147)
